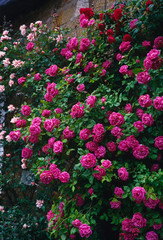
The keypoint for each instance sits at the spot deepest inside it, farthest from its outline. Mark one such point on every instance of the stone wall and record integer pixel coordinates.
(67, 13)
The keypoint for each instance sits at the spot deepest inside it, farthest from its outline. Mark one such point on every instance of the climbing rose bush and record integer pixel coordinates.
(91, 128)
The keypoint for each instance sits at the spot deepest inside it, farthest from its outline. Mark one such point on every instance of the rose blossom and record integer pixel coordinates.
(157, 226)
(145, 101)
(123, 69)
(49, 125)
(35, 129)
(77, 110)
(128, 108)
(151, 236)
(138, 220)
(27, 153)
(159, 142)
(11, 108)
(123, 145)
(158, 103)
(85, 134)
(2, 88)
(52, 71)
(127, 225)
(26, 111)
(123, 174)
(58, 147)
(46, 177)
(76, 223)
(84, 44)
(132, 142)
(138, 193)
(50, 215)
(158, 42)
(117, 132)
(91, 101)
(101, 172)
(92, 146)
(22, 80)
(85, 230)
(143, 77)
(30, 46)
(133, 23)
(118, 192)
(146, 44)
(111, 146)
(150, 203)
(55, 171)
(115, 204)
(147, 119)
(106, 164)
(68, 134)
(37, 77)
(15, 135)
(88, 160)
(141, 151)
(100, 152)
(90, 191)
(98, 129)
(116, 119)
(139, 125)
(125, 46)
(64, 177)
(80, 87)
(139, 112)
(39, 203)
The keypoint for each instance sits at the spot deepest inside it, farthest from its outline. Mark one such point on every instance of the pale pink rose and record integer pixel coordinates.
(8, 139)
(2, 88)
(17, 63)
(2, 54)
(23, 166)
(11, 108)
(11, 82)
(30, 37)
(14, 119)
(59, 38)
(39, 203)
(2, 209)
(6, 62)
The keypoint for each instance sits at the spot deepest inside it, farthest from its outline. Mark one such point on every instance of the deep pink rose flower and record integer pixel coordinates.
(123, 174)
(50, 215)
(85, 134)
(15, 135)
(84, 44)
(106, 164)
(157, 226)
(111, 146)
(123, 69)
(90, 191)
(151, 236)
(35, 129)
(26, 111)
(37, 77)
(106, 64)
(77, 110)
(158, 42)
(139, 125)
(139, 112)
(52, 71)
(132, 142)
(76, 223)
(118, 192)
(125, 46)
(117, 132)
(115, 204)
(73, 44)
(147, 119)
(27, 153)
(100, 152)
(58, 147)
(150, 203)
(138, 220)
(64, 177)
(21, 123)
(98, 129)
(49, 125)
(46, 177)
(88, 160)
(100, 174)
(68, 134)
(159, 142)
(85, 230)
(36, 121)
(146, 44)
(138, 193)
(80, 87)
(91, 101)
(46, 113)
(145, 101)
(116, 119)
(22, 80)
(30, 46)
(92, 146)
(128, 108)
(143, 77)
(141, 151)
(123, 146)
(55, 171)
(127, 225)
(158, 103)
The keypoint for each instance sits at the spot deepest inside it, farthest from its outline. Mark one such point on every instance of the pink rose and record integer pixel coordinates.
(85, 134)
(73, 44)
(49, 125)
(85, 230)
(123, 146)
(151, 235)
(37, 77)
(21, 123)
(159, 142)
(80, 87)
(76, 223)
(132, 142)
(21, 80)
(106, 64)
(52, 71)
(58, 147)
(64, 177)
(55, 171)
(36, 121)
(106, 164)
(88, 160)
(157, 226)
(138, 220)
(158, 103)
(33, 139)
(158, 42)
(27, 153)
(30, 46)
(68, 134)
(150, 203)
(77, 110)
(98, 129)
(147, 119)
(128, 108)
(139, 113)
(145, 101)
(123, 69)
(117, 132)
(92, 146)
(111, 146)
(35, 129)
(46, 177)
(143, 77)
(138, 193)
(26, 111)
(84, 44)
(101, 172)
(46, 113)
(100, 152)
(115, 204)
(116, 119)
(91, 101)
(90, 191)
(123, 174)
(141, 151)
(127, 225)
(139, 125)
(50, 215)
(125, 46)
(118, 192)
(146, 44)
(15, 135)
